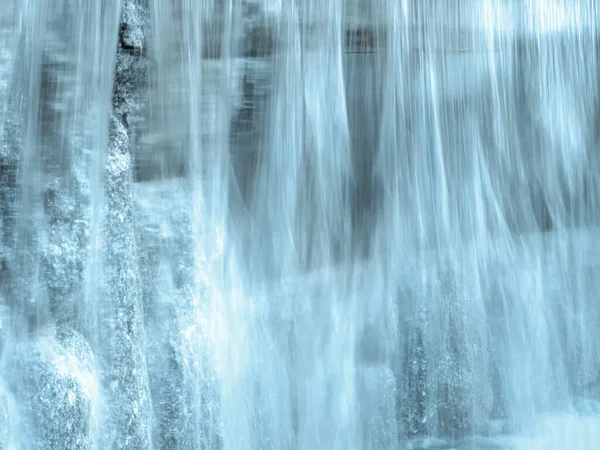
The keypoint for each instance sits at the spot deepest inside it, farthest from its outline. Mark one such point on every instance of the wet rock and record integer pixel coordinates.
(4, 264)
(63, 254)
(123, 361)
(130, 93)
(377, 387)
(131, 36)
(132, 62)
(261, 41)
(185, 400)
(447, 389)
(170, 365)
(121, 330)
(464, 392)
(463, 399)
(588, 399)
(58, 391)
(414, 403)
(8, 188)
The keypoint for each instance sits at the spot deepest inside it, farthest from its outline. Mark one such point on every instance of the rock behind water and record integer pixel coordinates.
(587, 402)
(184, 393)
(122, 355)
(58, 391)
(63, 253)
(464, 399)
(377, 386)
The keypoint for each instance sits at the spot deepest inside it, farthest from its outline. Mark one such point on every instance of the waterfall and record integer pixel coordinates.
(267, 224)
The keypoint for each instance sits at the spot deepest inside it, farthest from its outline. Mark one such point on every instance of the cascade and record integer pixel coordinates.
(267, 224)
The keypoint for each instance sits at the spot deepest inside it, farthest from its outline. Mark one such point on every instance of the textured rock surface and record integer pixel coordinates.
(11, 286)
(121, 316)
(131, 75)
(7, 159)
(414, 398)
(58, 391)
(63, 253)
(43, 171)
(123, 359)
(444, 387)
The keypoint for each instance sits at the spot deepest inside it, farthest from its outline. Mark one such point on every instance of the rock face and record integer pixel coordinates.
(122, 359)
(7, 202)
(413, 404)
(446, 388)
(464, 396)
(166, 293)
(57, 391)
(63, 255)
(185, 402)
(131, 74)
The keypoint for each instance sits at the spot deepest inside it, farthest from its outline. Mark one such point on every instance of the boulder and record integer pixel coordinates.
(57, 389)
(121, 335)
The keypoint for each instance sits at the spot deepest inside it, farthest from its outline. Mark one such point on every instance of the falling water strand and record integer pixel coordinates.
(267, 224)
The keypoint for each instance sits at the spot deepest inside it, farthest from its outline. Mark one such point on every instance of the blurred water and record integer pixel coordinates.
(342, 224)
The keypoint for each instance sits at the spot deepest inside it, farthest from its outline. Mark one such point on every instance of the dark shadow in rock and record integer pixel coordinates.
(260, 41)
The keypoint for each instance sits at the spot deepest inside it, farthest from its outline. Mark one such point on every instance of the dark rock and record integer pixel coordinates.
(360, 40)
(261, 41)
(131, 33)
(9, 163)
(131, 73)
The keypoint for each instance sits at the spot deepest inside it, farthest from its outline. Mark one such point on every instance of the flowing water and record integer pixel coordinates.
(267, 224)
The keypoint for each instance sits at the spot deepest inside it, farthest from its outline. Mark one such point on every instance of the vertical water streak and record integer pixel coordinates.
(341, 224)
